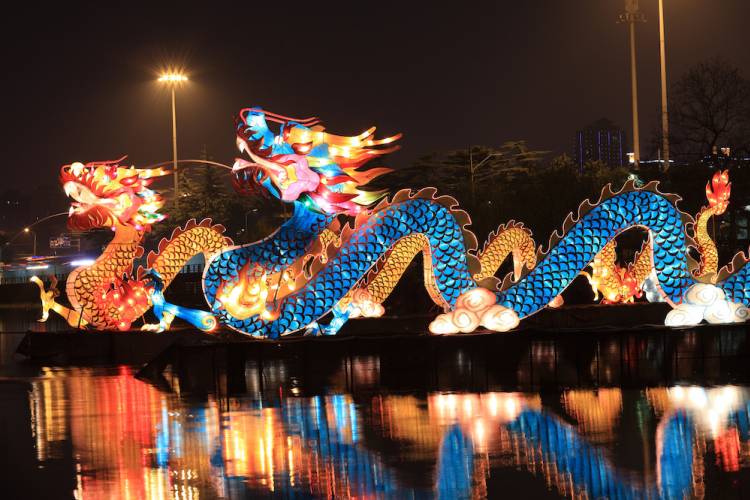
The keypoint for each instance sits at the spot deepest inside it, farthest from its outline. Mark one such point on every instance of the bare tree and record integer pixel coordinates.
(709, 108)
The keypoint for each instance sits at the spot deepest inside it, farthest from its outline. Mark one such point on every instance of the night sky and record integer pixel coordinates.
(79, 82)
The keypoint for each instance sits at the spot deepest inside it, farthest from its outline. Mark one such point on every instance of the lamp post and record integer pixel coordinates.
(664, 115)
(27, 230)
(631, 16)
(173, 80)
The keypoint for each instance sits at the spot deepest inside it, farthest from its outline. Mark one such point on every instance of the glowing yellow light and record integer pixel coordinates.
(172, 78)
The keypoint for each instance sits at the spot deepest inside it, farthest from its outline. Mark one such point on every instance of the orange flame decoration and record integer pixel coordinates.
(248, 297)
(718, 191)
(629, 283)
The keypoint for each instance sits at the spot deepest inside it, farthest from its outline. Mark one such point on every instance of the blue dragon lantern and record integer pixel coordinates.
(345, 248)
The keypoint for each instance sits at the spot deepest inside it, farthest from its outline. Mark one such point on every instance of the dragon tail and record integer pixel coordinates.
(717, 194)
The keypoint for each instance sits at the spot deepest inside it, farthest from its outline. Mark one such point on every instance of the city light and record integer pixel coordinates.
(82, 262)
(172, 78)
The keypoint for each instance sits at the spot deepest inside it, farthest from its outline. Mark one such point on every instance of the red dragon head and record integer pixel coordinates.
(106, 194)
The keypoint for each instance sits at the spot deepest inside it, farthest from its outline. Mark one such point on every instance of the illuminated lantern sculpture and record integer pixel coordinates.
(106, 295)
(320, 262)
(345, 248)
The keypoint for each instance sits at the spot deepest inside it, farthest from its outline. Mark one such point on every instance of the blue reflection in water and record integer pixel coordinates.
(742, 420)
(363, 469)
(456, 465)
(562, 446)
(676, 458)
(162, 439)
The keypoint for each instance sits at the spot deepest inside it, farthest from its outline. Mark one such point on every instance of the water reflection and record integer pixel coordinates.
(125, 438)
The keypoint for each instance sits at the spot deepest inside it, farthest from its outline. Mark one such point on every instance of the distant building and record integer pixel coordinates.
(601, 141)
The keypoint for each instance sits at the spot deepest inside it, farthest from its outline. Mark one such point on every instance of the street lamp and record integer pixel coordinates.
(664, 114)
(631, 16)
(27, 230)
(174, 79)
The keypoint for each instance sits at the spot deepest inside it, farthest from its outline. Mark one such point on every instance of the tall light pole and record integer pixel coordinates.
(664, 114)
(27, 230)
(631, 16)
(173, 80)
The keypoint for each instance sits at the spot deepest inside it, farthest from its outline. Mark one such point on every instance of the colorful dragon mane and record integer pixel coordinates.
(306, 164)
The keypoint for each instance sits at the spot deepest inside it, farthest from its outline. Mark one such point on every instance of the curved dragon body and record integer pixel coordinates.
(509, 239)
(106, 295)
(361, 249)
(597, 225)
(311, 266)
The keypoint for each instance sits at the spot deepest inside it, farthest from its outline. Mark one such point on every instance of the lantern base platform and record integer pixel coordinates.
(136, 347)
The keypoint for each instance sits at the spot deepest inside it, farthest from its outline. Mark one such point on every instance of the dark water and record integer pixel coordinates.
(552, 422)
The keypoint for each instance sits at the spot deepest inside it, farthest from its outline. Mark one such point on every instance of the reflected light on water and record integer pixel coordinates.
(127, 439)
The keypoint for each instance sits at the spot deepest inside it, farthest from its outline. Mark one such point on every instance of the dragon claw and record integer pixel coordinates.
(47, 297)
(153, 327)
(313, 330)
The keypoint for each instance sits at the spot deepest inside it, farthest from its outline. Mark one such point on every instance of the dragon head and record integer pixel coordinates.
(718, 191)
(304, 163)
(106, 194)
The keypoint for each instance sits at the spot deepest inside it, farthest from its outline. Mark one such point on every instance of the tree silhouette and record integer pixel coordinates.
(709, 108)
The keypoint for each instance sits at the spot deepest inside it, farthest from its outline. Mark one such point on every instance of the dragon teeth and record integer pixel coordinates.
(241, 145)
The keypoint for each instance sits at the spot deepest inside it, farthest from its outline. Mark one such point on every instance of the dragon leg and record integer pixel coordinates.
(164, 265)
(166, 312)
(341, 315)
(72, 317)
